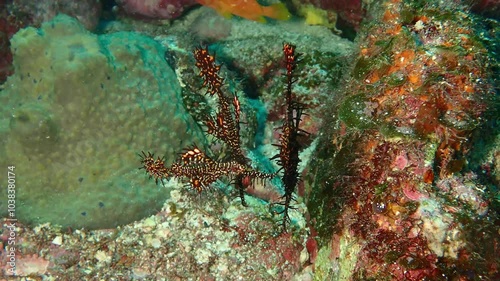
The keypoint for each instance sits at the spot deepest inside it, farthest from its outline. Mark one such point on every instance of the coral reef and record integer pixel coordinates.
(16, 14)
(261, 77)
(402, 183)
(390, 174)
(202, 171)
(75, 113)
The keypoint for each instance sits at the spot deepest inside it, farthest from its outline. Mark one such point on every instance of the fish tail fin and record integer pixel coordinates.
(277, 11)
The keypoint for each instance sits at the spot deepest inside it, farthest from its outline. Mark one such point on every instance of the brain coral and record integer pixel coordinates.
(73, 118)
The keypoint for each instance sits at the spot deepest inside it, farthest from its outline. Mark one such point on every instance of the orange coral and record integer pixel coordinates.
(248, 9)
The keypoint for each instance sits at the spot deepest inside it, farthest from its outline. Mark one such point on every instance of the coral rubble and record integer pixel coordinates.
(209, 239)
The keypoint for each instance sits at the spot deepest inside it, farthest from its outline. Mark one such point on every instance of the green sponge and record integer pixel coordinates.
(73, 118)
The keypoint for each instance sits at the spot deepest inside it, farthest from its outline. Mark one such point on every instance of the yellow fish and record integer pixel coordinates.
(249, 9)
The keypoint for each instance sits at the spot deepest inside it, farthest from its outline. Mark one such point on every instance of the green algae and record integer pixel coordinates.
(380, 62)
(325, 200)
(355, 112)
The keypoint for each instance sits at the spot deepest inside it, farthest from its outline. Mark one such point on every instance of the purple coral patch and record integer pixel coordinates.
(156, 9)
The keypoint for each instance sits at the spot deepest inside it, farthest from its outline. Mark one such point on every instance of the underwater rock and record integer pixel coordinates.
(74, 116)
(10, 23)
(211, 237)
(390, 175)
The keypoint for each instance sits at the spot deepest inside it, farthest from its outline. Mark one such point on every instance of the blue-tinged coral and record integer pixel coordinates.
(73, 116)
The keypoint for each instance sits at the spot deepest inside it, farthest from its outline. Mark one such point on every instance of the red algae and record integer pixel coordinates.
(416, 94)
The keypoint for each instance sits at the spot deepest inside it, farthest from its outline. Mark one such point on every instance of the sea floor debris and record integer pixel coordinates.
(216, 239)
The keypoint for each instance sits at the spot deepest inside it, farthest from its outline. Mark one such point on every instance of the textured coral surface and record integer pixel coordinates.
(212, 238)
(156, 9)
(10, 23)
(392, 166)
(402, 183)
(74, 116)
